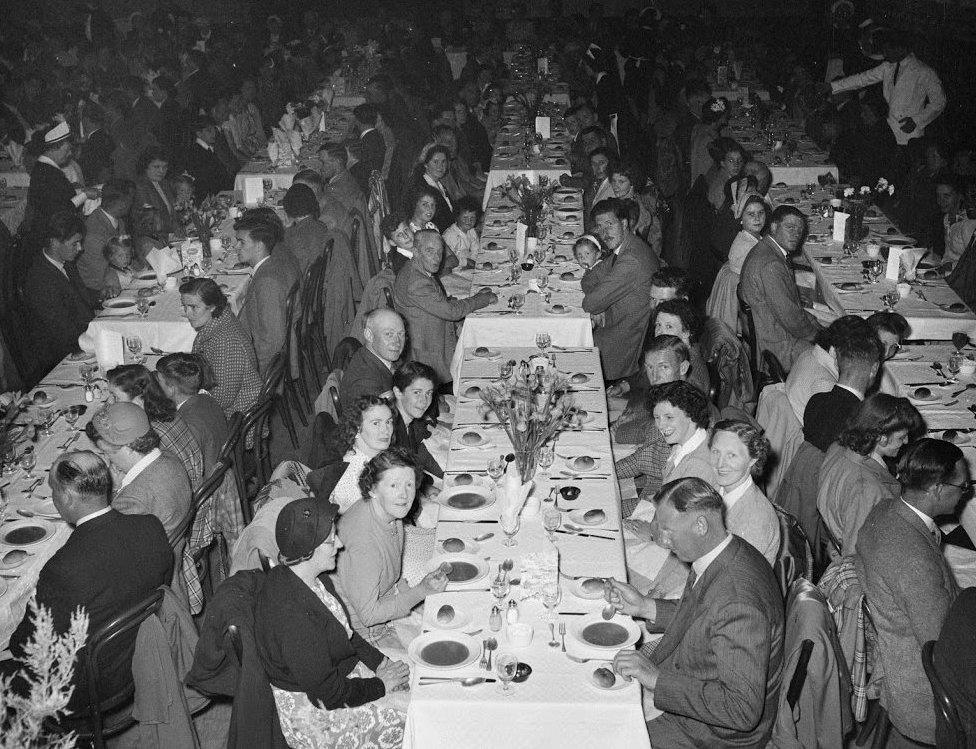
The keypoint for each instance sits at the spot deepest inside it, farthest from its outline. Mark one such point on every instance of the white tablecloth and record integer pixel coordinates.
(557, 706)
(280, 178)
(457, 58)
(15, 176)
(13, 204)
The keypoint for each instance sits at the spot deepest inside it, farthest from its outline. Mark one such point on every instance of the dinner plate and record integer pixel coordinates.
(119, 307)
(465, 568)
(144, 280)
(492, 353)
(937, 393)
(483, 441)
(51, 401)
(956, 437)
(26, 532)
(618, 685)
(568, 464)
(15, 563)
(579, 378)
(470, 547)
(82, 356)
(577, 589)
(444, 650)
(471, 497)
(473, 391)
(848, 287)
(559, 309)
(593, 631)
(577, 517)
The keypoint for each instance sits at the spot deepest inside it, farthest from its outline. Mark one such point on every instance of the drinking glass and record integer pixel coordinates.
(134, 344)
(551, 595)
(500, 587)
(506, 369)
(71, 416)
(955, 360)
(543, 341)
(7, 457)
(507, 666)
(226, 240)
(876, 269)
(546, 456)
(551, 520)
(143, 306)
(510, 526)
(517, 301)
(28, 460)
(496, 468)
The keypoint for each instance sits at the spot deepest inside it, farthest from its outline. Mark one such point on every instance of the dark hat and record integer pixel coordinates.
(302, 526)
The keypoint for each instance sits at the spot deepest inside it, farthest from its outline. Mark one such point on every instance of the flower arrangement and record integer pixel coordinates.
(531, 197)
(866, 193)
(49, 661)
(856, 202)
(532, 407)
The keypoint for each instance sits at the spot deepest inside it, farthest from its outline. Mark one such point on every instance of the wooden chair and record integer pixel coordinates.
(201, 495)
(952, 733)
(294, 390)
(228, 454)
(747, 324)
(774, 371)
(256, 426)
(104, 715)
(313, 347)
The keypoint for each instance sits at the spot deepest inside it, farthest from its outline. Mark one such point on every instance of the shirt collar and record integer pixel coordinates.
(857, 393)
(929, 522)
(139, 467)
(57, 264)
(92, 516)
(260, 263)
(204, 145)
(701, 564)
(679, 452)
(730, 498)
(48, 160)
(778, 246)
(111, 219)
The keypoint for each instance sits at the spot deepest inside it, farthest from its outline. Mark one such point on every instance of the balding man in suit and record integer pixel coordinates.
(768, 286)
(716, 672)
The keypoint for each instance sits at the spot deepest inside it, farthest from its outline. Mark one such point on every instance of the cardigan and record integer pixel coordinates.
(304, 648)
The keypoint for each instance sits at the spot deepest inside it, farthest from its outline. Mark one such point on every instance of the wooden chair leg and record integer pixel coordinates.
(286, 418)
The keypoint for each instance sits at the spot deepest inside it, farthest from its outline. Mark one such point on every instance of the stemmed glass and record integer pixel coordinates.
(143, 304)
(71, 415)
(551, 596)
(960, 340)
(7, 456)
(510, 526)
(552, 518)
(517, 301)
(546, 456)
(134, 344)
(507, 666)
(496, 468)
(28, 460)
(506, 369)
(543, 341)
(876, 269)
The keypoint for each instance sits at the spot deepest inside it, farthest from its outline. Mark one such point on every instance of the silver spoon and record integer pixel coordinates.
(469, 681)
(583, 660)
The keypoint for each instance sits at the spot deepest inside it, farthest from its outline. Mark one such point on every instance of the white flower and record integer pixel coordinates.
(718, 106)
(882, 184)
(848, 192)
(865, 190)
(891, 189)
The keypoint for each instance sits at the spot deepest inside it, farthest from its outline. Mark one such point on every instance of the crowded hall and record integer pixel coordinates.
(487, 373)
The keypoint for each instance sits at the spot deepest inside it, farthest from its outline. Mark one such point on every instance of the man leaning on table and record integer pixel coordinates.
(716, 672)
(431, 314)
(109, 563)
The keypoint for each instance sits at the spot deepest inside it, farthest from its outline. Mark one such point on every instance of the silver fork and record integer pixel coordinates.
(562, 634)
(483, 663)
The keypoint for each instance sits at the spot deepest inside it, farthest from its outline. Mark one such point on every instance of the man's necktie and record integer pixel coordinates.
(894, 80)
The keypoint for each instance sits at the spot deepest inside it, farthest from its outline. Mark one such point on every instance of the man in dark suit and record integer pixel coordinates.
(59, 304)
(109, 563)
(339, 180)
(50, 191)
(95, 159)
(429, 312)
(370, 370)
(622, 294)
(209, 174)
(276, 271)
(716, 672)
(767, 285)
(907, 582)
(371, 141)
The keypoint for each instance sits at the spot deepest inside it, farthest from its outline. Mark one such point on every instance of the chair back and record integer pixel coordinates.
(795, 558)
(257, 442)
(388, 293)
(748, 327)
(98, 704)
(950, 730)
(774, 371)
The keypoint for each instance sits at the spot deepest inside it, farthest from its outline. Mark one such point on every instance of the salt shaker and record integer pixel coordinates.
(512, 615)
(495, 619)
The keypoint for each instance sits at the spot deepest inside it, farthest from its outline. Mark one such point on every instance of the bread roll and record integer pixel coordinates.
(604, 677)
(453, 545)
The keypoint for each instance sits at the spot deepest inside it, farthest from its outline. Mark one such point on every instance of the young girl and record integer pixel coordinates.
(589, 254)
(461, 237)
(119, 273)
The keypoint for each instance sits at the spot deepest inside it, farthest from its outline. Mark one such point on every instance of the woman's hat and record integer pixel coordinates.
(302, 526)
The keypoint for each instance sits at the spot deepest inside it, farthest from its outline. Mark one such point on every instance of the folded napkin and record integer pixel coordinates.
(164, 260)
(512, 494)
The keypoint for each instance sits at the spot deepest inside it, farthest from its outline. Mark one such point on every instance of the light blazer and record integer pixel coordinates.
(721, 657)
(850, 486)
(430, 315)
(753, 519)
(909, 589)
(91, 262)
(263, 313)
(623, 295)
(163, 490)
(767, 285)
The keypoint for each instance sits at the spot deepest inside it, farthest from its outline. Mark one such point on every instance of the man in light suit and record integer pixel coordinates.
(716, 672)
(622, 293)
(907, 582)
(340, 181)
(430, 314)
(263, 313)
(109, 563)
(768, 286)
(104, 223)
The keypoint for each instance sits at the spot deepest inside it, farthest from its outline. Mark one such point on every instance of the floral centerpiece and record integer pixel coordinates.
(532, 407)
(856, 201)
(531, 197)
(205, 219)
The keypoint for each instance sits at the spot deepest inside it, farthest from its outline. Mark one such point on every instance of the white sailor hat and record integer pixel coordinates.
(57, 134)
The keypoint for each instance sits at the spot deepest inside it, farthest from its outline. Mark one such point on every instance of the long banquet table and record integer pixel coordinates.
(558, 700)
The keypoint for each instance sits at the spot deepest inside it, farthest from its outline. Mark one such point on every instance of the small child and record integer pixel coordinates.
(461, 237)
(183, 188)
(118, 252)
(589, 254)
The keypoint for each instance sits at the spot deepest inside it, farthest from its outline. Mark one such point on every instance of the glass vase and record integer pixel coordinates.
(854, 231)
(525, 462)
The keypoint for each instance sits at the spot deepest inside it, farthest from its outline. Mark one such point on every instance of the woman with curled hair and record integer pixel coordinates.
(153, 214)
(414, 387)
(369, 573)
(435, 160)
(133, 383)
(723, 302)
(365, 430)
(222, 342)
(629, 182)
(854, 476)
(738, 454)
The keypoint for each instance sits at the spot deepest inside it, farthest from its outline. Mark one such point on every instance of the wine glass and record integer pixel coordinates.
(28, 460)
(7, 457)
(134, 344)
(510, 526)
(143, 304)
(546, 456)
(551, 595)
(517, 301)
(500, 587)
(955, 360)
(543, 341)
(506, 369)
(496, 468)
(551, 520)
(507, 666)
(71, 415)
(876, 269)
(960, 340)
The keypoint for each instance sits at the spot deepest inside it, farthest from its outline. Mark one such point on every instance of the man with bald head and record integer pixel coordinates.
(370, 371)
(109, 563)
(429, 312)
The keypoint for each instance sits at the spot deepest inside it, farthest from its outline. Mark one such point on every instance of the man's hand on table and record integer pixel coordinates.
(487, 296)
(632, 665)
(395, 675)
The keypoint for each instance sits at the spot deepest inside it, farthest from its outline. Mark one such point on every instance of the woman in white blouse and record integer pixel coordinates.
(366, 430)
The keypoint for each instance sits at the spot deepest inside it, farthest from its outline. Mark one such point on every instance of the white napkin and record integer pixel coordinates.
(910, 257)
(108, 346)
(163, 260)
(512, 494)
(273, 151)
